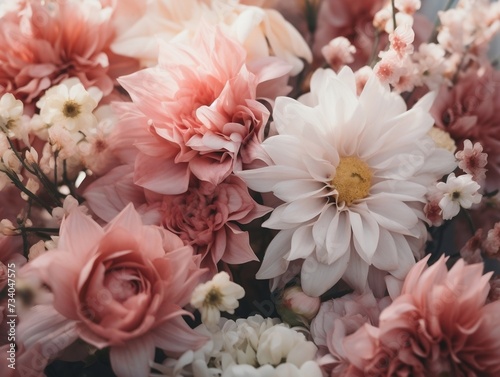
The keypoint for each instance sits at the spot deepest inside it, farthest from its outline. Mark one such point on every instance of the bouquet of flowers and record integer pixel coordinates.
(219, 188)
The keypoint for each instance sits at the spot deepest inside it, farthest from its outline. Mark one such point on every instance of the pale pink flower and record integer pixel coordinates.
(44, 43)
(389, 69)
(338, 52)
(472, 160)
(200, 114)
(468, 28)
(339, 318)
(407, 6)
(432, 210)
(431, 65)
(441, 324)
(122, 286)
(401, 40)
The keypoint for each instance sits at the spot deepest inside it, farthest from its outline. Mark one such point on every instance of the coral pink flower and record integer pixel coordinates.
(206, 216)
(440, 324)
(44, 43)
(471, 110)
(122, 286)
(200, 109)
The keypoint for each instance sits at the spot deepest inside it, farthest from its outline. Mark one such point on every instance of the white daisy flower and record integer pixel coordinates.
(352, 173)
(461, 191)
(216, 295)
(70, 105)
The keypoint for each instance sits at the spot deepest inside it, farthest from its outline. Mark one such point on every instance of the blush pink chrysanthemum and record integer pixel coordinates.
(43, 43)
(122, 287)
(199, 111)
(441, 324)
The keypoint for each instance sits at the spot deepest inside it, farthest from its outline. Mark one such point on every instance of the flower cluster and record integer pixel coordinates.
(263, 188)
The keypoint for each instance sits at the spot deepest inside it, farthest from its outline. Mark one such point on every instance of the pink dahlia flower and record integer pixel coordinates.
(122, 286)
(43, 43)
(200, 111)
(439, 325)
(206, 216)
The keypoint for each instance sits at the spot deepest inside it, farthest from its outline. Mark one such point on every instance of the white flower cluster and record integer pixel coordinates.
(74, 125)
(252, 347)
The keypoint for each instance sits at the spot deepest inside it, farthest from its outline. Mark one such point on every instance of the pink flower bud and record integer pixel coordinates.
(295, 300)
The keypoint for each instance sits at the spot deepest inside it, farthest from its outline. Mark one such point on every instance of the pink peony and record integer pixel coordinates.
(44, 43)
(439, 325)
(471, 110)
(200, 112)
(122, 286)
(206, 216)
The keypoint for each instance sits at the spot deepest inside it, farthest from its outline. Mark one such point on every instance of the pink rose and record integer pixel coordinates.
(122, 286)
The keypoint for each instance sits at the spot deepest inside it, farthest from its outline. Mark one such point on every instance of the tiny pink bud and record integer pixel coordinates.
(295, 300)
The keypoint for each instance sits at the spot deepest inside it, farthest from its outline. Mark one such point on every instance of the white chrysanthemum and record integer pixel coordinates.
(251, 346)
(216, 295)
(458, 192)
(352, 173)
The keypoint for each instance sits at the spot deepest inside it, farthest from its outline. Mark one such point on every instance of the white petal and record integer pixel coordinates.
(365, 234)
(316, 278)
(264, 179)
(356, 274)
(302, 243)
(274, 263)
(386, 255)
(298, 189)
(406, 260)
(321, 225)
(338, 237)
(296, 212)
(392, 214)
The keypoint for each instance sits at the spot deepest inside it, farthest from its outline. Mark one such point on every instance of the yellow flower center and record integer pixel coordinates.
(71, 109)
(352, 180)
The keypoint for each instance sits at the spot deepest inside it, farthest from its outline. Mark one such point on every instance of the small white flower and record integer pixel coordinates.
(219, 294)
(458, 192)
(11, 110)
(69, 105)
